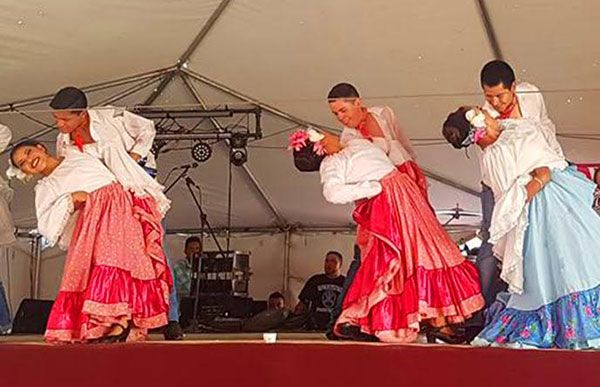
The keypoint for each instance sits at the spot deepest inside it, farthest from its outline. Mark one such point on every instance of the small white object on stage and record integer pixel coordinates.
(270, 338)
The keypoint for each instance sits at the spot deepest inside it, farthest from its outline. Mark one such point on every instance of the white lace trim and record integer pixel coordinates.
(512, 223)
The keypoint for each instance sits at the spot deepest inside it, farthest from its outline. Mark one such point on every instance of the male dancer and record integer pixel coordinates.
(506, 99)
(80, 125)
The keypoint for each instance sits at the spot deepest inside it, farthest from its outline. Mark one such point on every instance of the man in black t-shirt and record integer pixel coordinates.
(321, 291)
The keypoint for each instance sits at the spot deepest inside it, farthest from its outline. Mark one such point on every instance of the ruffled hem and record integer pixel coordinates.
(112, 298)
(399, 284)
(571, 322)
(512, 219)
(429, 294)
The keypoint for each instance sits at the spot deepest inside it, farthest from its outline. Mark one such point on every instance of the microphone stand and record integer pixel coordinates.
(189, 182)
(182, 174)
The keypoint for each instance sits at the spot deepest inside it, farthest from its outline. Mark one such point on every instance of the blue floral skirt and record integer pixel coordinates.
(560, 304)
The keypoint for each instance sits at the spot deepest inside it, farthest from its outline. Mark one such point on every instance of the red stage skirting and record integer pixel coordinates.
(290, 365)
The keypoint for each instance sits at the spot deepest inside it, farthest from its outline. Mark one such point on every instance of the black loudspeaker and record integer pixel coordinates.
(32, 316)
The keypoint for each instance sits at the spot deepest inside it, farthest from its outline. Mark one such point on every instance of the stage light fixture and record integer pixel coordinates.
(201, 152)
(238, 140)
(238, 156)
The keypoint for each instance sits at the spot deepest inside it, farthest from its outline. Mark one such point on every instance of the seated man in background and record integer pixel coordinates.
(276, 301)
(182, 270)
(273, 318)
(320, 293)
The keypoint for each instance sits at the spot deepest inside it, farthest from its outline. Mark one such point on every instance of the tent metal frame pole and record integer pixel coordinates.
(266, 230)
(281, 221)
(189, 51)
(212, 20)
(10, 106)
(25, 232)
(269, 108)
(489, 29)
(286, 262)
(299, 121)
(166, 79)
(129, 91)
(451, 183)
(34, 136)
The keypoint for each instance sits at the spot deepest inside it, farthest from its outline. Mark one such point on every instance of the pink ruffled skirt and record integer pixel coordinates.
(115, 274)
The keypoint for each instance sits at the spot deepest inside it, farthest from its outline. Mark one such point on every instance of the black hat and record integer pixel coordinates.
(69, 98)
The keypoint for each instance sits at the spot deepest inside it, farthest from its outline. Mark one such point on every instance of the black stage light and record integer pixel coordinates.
(238, 140)
(238, 156)
(201, 152)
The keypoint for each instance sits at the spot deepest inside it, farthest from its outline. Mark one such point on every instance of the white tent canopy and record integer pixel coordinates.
(422, 58)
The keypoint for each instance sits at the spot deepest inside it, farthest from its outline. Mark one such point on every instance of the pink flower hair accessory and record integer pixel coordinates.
(297, 140)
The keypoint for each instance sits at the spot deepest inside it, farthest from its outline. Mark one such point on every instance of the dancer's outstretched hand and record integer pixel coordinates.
(79, 199)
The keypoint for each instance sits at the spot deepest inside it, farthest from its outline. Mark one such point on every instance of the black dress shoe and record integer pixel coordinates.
(173, 331)
(331, 336)
(120, 338)
(436, 334)
(353, 332)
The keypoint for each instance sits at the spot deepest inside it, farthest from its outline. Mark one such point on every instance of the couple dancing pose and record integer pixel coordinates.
(543, 228)
(94, 199)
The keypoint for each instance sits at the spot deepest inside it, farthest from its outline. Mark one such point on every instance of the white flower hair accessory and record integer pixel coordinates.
(476, 118)
(313, 135)
(14, 172)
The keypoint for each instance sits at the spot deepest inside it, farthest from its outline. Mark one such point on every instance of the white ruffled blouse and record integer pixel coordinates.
(354, 172)
(506, 167)
(84, 171)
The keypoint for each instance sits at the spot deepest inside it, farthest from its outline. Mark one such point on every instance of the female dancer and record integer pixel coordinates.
(544, 231)
(115, 285)
(411, 271)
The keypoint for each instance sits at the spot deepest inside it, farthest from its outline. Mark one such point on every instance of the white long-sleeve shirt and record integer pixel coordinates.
(5, 136)
(53, 202)
(7, 227)
(136, 133)
(84, 171)
(506, 166)
(354, 172)
(395, 142)
(531, 104)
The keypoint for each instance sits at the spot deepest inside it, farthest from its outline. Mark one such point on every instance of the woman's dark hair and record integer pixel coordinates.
(341, 91)
(456, 128)
(306, 160)
(21, 144)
